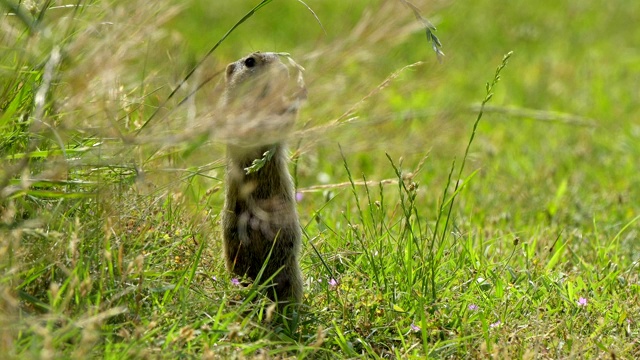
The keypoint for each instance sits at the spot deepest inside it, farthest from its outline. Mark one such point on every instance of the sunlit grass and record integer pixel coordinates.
(433, 225)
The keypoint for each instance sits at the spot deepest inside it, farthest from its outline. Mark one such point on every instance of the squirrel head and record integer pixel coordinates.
(257, 80)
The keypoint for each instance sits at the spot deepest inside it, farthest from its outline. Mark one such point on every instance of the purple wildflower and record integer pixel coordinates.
(299, 196)
(333, 282)
(473, 307)
(235, 281)
(414, 327)
(582, 302)
(495, 324)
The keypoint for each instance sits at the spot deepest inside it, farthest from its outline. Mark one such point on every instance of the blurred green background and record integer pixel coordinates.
(105, 212)
(566, 109)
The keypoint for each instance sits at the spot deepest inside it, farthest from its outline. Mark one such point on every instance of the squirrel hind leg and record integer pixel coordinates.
(288, 287)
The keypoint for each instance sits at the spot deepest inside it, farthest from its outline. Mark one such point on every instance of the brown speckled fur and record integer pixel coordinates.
(259, 216)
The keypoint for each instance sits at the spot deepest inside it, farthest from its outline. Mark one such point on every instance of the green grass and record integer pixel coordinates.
(433, 226)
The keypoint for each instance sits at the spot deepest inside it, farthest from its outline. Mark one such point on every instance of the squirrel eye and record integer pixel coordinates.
(250, 62)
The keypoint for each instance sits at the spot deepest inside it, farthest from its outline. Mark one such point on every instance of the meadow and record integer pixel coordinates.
(479, 203)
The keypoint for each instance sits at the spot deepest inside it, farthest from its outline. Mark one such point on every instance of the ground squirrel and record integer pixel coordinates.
(259, 216)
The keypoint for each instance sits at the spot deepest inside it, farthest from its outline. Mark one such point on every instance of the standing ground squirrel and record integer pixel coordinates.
(260, 220)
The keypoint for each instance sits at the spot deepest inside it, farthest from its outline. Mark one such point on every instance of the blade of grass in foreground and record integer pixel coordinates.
(488, 95)
(192, 71)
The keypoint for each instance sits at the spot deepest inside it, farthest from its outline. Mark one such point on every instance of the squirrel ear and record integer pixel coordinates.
(230, 69)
